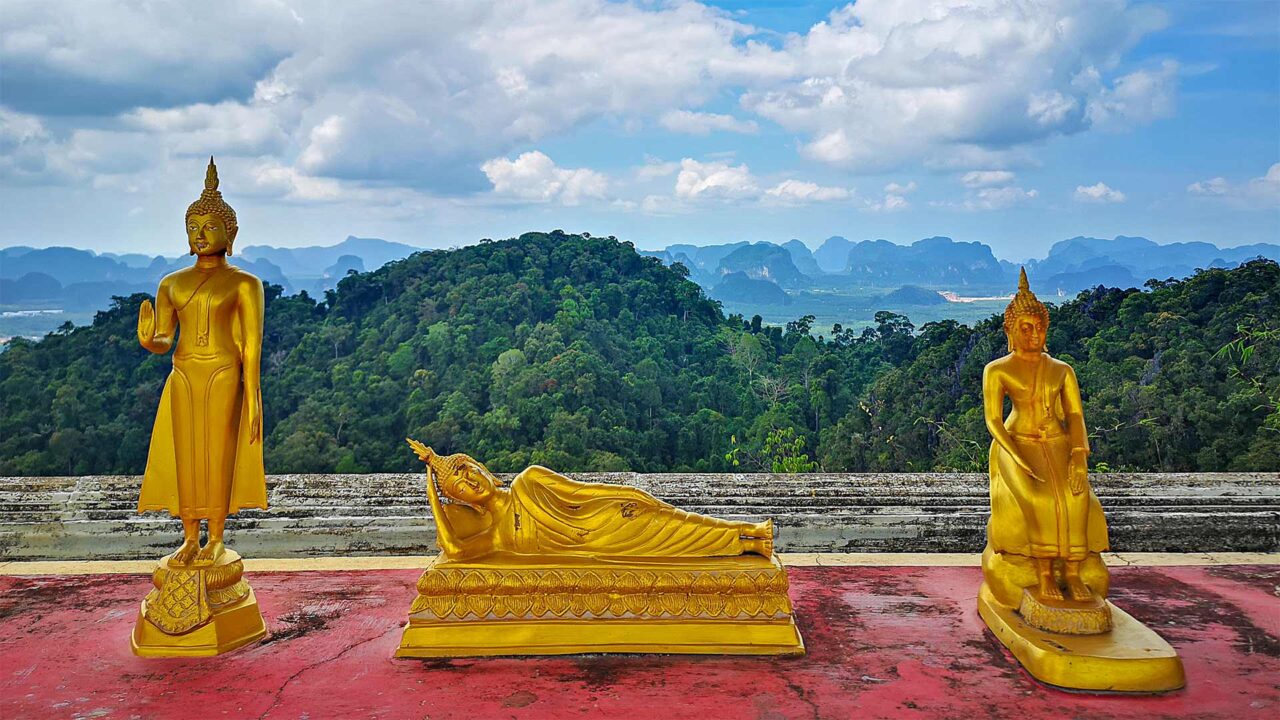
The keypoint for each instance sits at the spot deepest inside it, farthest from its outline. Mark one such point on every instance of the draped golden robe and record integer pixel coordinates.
(196, 391)
(550, 512)
(1051, 521)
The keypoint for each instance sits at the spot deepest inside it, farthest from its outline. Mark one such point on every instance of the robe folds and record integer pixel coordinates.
(203, 399)
(1042, 519)
(552, 513)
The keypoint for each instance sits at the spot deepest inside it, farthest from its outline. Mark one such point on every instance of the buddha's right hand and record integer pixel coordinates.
(1026, 467)
(146, 324)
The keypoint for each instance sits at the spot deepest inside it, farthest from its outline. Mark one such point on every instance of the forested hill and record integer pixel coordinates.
(580, 354)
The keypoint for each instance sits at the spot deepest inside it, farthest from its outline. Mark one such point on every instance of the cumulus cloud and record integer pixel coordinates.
(1261, 191)
(533, 176)
(801, 191)
(700, 123)
(986, 178)
(714, 180)
(420, 97)
(990, 198)
(1099, 193)
(893, 200)
(879, 84)
(723, 181)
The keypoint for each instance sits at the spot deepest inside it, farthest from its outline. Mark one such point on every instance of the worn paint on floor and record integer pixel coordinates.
(897, 642)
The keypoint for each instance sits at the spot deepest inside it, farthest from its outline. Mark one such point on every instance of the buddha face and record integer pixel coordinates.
(472, 485)
(208, 235)
(1028, 334)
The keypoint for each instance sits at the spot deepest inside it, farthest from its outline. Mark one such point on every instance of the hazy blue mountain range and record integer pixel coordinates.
(744, 273)
(83, 280)
(940, 263)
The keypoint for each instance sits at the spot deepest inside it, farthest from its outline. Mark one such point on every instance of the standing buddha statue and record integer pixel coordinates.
(205, 459)
(1045, 583)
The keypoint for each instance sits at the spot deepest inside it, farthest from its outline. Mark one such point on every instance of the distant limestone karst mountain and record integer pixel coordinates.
(85, 280)
(940, 263)
(738, 287)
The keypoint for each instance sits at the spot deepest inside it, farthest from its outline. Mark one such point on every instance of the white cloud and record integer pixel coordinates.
(894, 188)
(801, 191)
(655, 168)
(420, 97)
(1099, 193)
(700, 123)
(1263, 192)
(714, 180)
(990, 198)
(986, 178)
(224, 128)
(879, 84)
(1213, 186)
(1138, 98)
(533, 176)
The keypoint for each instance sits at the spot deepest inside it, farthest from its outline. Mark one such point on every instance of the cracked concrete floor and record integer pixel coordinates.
(895, 642)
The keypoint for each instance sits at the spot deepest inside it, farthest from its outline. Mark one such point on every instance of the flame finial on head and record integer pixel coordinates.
(211, 176)
(210, 202)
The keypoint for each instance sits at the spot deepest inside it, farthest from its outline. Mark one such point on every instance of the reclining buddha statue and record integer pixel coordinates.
(550, 565)
(546, 513)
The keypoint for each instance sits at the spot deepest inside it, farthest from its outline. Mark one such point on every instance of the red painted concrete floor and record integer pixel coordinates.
(883, 642)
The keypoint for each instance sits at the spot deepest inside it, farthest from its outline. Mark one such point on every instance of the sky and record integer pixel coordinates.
(1016, 123)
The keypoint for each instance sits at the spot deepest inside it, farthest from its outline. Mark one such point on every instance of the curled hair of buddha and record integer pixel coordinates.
(210, 202)
(1024, 304)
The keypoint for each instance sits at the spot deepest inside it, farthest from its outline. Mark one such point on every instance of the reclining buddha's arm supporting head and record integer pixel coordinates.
(461, 478)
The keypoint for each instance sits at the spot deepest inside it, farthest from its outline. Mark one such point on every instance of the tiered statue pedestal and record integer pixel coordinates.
(1130, 657)
(197, 610)
(512, 605)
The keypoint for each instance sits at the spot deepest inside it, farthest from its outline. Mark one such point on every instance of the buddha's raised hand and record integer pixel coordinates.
(146, 323)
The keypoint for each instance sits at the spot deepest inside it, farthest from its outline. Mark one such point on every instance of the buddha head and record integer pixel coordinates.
(1026, 319)
(462, 478)
(211, 223)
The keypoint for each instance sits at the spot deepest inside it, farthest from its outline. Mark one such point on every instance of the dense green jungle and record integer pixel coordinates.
(578, 353)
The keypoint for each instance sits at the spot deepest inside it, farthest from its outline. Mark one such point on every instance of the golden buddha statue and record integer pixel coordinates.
(1044, 579)
(550, 565)
(544, 512)
(205, 459)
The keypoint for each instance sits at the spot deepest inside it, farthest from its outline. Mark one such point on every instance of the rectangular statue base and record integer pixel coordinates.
(229, 628)
(1129, 658)
(509, 605)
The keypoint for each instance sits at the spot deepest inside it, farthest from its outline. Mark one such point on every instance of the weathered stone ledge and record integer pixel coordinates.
(94, 517)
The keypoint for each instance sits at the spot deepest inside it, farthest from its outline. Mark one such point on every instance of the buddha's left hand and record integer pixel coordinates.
(255, 419)
(1078, 472)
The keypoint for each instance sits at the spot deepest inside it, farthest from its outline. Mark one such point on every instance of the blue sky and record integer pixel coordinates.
(1015, 123)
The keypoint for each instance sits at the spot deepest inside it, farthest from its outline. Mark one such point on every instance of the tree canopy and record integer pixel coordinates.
(578, 353)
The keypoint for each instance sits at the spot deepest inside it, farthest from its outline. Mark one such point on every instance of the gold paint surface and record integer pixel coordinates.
(1129, 658)
(1045, 581)
(205, 458)
(549, 565)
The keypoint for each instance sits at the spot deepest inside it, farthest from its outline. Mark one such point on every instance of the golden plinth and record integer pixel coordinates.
(197, 610)
(1128, 658)
(508, 606)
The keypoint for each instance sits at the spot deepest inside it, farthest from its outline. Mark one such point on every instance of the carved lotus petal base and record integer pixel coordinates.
(197, 610)
(517, 605)
(1129, 658)
(1066, 617)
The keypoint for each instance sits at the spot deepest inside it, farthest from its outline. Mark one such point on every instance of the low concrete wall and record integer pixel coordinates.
(93, 517)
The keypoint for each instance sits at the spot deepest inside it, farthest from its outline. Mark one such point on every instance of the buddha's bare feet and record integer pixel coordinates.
(759, 546)
(211, 552)
(1049, 589)
(1078, 590)
(186, 551)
